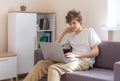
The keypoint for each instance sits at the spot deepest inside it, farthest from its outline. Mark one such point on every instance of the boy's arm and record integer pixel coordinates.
(58, 40)
(67, 30)
(92, 53)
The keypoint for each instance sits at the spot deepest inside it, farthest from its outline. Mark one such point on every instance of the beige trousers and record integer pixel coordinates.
(54, 69)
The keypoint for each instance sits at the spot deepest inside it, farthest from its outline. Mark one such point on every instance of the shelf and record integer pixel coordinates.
(44, 30)
(45, 27)
(43, 12)
(111, 28)
(29, 35)
(4, 54)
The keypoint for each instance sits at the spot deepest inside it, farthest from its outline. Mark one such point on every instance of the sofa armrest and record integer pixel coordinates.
(38, 55)
(117, 71)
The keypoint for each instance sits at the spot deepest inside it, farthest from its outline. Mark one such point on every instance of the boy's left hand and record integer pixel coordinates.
(69, 54)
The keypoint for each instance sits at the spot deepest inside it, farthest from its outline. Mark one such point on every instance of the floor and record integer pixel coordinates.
(9, 80)
(20, 77)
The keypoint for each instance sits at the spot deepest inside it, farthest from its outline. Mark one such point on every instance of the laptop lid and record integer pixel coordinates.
(52, 51)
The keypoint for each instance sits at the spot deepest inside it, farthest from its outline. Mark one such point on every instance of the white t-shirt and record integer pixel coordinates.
(82, 42)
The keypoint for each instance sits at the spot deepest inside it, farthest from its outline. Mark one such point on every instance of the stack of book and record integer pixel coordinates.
(45, 38)
(44, 24)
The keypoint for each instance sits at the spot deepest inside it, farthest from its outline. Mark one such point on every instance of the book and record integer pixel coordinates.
(44, 24)
(41, 24)
(48, 34)
(43, 39)
(47, 24)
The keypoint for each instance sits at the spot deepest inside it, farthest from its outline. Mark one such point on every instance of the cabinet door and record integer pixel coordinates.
(25, 37)
(8, 67)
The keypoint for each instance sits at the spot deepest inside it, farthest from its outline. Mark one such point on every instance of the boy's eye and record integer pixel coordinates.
(73, 22)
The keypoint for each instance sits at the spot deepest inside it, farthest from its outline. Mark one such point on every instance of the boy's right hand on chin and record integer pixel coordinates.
(68, 30)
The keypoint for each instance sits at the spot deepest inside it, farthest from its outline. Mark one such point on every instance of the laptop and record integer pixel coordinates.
(54, 52)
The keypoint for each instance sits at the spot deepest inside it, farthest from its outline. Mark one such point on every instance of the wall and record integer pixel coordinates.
(13, 5)
(114, 19)
(116, 34)
(94, 13)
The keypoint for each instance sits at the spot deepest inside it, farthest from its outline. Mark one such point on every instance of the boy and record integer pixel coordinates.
(84, 43)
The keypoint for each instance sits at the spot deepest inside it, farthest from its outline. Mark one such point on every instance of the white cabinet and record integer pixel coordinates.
(21, 39)
(25, 30)
(8, 66)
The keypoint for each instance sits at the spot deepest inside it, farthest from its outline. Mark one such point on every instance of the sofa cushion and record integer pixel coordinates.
(43, 79)
(38, 55)
(109, 53)
(95, 74)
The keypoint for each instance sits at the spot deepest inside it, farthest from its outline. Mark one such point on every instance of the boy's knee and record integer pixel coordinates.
(44, 62)
(51, 66)
(40, 62)
(54, 69)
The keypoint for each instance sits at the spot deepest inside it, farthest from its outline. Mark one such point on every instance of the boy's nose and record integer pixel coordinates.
(71, 25)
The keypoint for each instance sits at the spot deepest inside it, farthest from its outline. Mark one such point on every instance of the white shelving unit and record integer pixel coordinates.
(45, 31)
(24, 35)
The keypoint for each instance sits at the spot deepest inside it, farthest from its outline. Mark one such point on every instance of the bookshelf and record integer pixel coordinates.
(24, 35)
(45, 27)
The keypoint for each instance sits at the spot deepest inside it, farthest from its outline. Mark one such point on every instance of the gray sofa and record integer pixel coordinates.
(106, 68)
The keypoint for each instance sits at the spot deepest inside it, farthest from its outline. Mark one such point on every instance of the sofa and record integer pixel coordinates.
(106, 68)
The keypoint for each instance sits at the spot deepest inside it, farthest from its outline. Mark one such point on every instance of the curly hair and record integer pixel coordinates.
(73, 15)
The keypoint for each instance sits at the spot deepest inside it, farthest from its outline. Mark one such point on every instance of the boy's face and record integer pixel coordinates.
(74, 25)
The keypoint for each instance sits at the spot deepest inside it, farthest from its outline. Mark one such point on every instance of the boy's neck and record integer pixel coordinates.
(79, 30)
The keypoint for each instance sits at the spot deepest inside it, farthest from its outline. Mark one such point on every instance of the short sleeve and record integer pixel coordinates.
(65, 42)
(93, 37)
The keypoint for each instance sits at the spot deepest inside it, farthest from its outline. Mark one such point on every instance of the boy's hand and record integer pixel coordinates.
(68, 30)
(68, 55)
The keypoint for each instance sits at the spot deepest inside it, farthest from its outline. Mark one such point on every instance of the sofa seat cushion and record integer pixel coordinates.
(95, 74)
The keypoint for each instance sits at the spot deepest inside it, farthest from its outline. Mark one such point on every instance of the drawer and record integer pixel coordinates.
(8, 67)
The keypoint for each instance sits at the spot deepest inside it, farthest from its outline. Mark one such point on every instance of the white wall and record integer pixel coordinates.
(114, 18)
(14, 5)
(118, 12)
(94, 13)
(116, 34)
